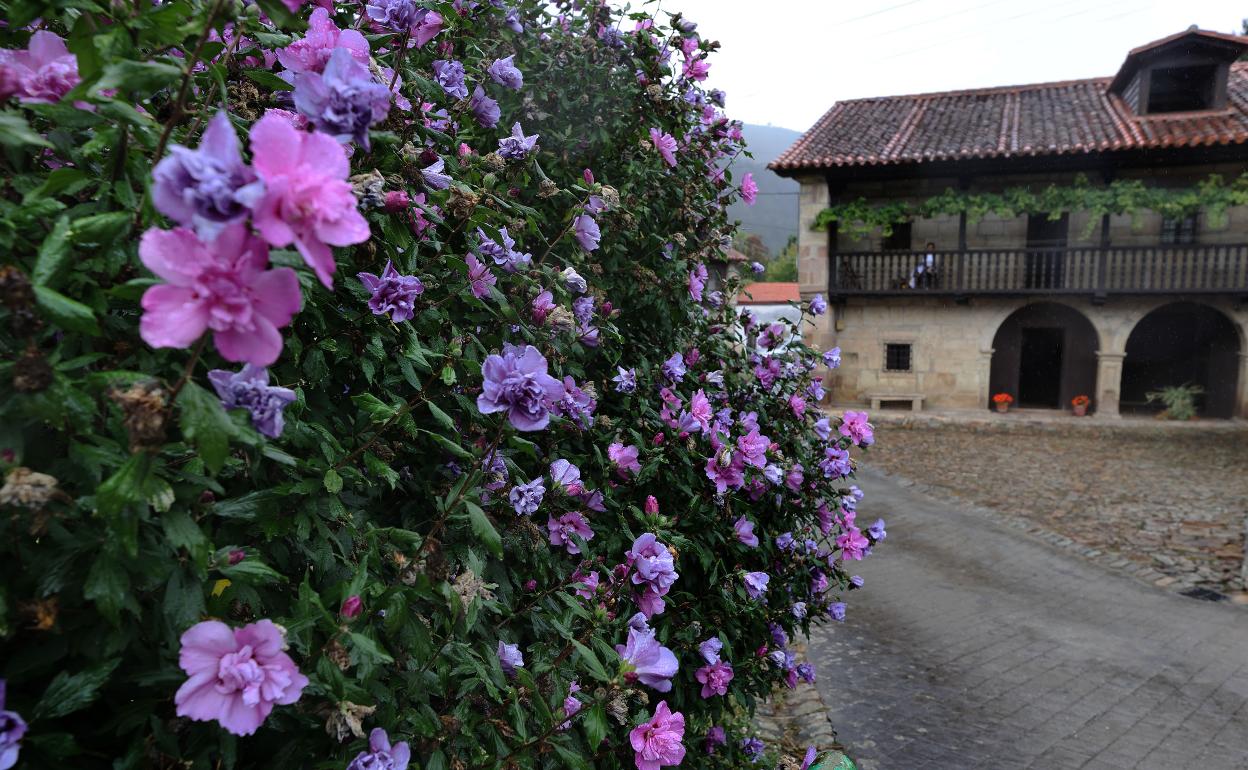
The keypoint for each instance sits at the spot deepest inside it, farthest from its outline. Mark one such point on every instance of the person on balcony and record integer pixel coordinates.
(924, 275)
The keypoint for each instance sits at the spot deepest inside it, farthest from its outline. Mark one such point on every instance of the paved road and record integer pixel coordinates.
(974, 646)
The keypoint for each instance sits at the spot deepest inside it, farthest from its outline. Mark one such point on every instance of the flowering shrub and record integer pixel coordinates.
(372, 399)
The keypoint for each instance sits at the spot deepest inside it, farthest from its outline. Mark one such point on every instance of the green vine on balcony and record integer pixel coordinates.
(1213, 195)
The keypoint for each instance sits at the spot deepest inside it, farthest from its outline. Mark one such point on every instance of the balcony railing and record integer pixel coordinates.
(1195, 269)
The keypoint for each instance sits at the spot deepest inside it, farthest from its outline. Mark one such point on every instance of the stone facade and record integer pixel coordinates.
(952, 340)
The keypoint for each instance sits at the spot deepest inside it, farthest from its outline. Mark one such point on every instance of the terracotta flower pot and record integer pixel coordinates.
(1080, 410)
(1003, 407)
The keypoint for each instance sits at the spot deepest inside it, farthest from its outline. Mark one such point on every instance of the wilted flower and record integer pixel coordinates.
(715, 738)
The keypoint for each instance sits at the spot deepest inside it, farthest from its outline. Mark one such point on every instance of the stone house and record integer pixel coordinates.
(952, 309)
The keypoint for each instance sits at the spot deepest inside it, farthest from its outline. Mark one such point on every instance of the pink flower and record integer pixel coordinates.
(754, 446)
(714, 678)
(307, 198)
(798, 405)
(696, 68)
(652, 505)
(587, 585)
(624, 457)
(852, 544)
(351, 607)
(563, 528)
(665, 144)
(700, 409)
(221, 286)
(657, 742)
(855, 426)
(749, 189)
(743, 528)
(43, 73)
(236, 675)
(311, 52)
(426, 29)
(480, 278)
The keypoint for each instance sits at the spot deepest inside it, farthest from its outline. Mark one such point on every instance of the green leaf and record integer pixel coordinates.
(380, 469)
(377, 410)
(16, 132)
(182, 532)
(251, 571)
(68, 692)
(184, 599)
(131, 76)
(102, 228)
(442, 417)
(595, 722)
(53, 253)
(448, 375)
(107, 585)
(268, 79)
(369, 649)
(67, 179)
(483, 529)
(125, 487)
(247, 506)
(449, 445)
(333, 482)
(71, 315)
(591, 661)
(205, 424)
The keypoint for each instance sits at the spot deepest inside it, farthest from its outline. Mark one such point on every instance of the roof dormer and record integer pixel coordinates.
(1186, 72)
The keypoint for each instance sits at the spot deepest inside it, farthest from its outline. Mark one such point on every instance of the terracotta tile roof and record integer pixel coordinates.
(1063, 118)
(763, 293)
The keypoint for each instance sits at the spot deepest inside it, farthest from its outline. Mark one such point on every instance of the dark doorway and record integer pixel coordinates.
(1044, 354)
(1177, 344)
(1046, 244)
(1040, 368)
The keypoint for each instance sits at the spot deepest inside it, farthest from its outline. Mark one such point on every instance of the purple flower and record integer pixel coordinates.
(647, 661)
(571, 704)
(756, 583)
(757, 268)
(484, 109)
(856, 581)
(510, 657)
(818, 306)
(542, 304)
(209, 187)
(396, 15)
(837, 611)
(516, 382)
(832, 358)
(494, 469)
(249, 389)
(785, 542)
(434, 175)
(236, 676)
(626, 380)
(714, 678)
(727, 469)
(12, 728)
(794, 478)
(392, 293)
(512, 20)
(562, 529)
(587, 233)
(674, 367)
(624, 457)
(588, 584)
(798, 609)
(715, 738)
(41, 74)
(774, 473)
(665, 144)
(855, 426)
(344, 100)
(754, 446)
(583, 309)
(567, 476)
(753, 748)
(506, 74)
(709, 649)
(381, 755)
(527, 498)
(823, 428)
(697, 282)
(798, 405)
(517, 146)
(574, 281)
(744, 530)
(577, 404)
(749, 189)
(876, 530)
(479, 277)
(450, 75)
(835, 463)
(652, 563)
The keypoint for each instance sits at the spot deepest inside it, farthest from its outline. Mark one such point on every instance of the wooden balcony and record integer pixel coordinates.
(1093, 271)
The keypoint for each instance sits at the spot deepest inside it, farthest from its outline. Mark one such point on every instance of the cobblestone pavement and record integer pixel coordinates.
(1165, 502)
(975, 645)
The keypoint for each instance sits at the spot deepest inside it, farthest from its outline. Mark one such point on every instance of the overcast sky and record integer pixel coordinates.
(784, 62)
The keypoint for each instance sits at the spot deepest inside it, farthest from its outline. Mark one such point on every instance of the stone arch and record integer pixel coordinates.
(1044, 354)
(1180, 342)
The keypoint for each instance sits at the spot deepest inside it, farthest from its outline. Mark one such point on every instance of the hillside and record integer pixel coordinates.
(774, 215)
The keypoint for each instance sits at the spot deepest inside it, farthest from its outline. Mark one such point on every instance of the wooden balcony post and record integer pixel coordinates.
(1102, 266)
(961, 283)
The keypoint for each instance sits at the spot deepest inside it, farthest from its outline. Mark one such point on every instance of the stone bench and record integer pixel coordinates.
(915, 399)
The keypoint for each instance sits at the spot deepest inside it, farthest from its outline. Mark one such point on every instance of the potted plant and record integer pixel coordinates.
(1080, 405)
(1003, 401)
(1179, 400)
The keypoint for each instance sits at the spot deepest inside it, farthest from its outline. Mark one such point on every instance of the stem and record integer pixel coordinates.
(551, 246)
(399, 61)
(189, 370)
(180, 102)
(440, 522)
(409, 406)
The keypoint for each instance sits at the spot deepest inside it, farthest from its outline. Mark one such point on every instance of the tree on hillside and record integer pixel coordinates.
(783, 267)
(752, 246)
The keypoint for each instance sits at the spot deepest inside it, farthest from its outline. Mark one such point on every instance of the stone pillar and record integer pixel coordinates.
(1241, 391)
(985, 377)
(1108, 383)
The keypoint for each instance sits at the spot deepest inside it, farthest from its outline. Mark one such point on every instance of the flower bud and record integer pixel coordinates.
(236, 556)
(396, 200)
(652, 505)
(351, 607)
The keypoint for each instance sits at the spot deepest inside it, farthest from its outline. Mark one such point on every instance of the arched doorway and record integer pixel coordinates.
(1183, 342)
(1044, 354)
